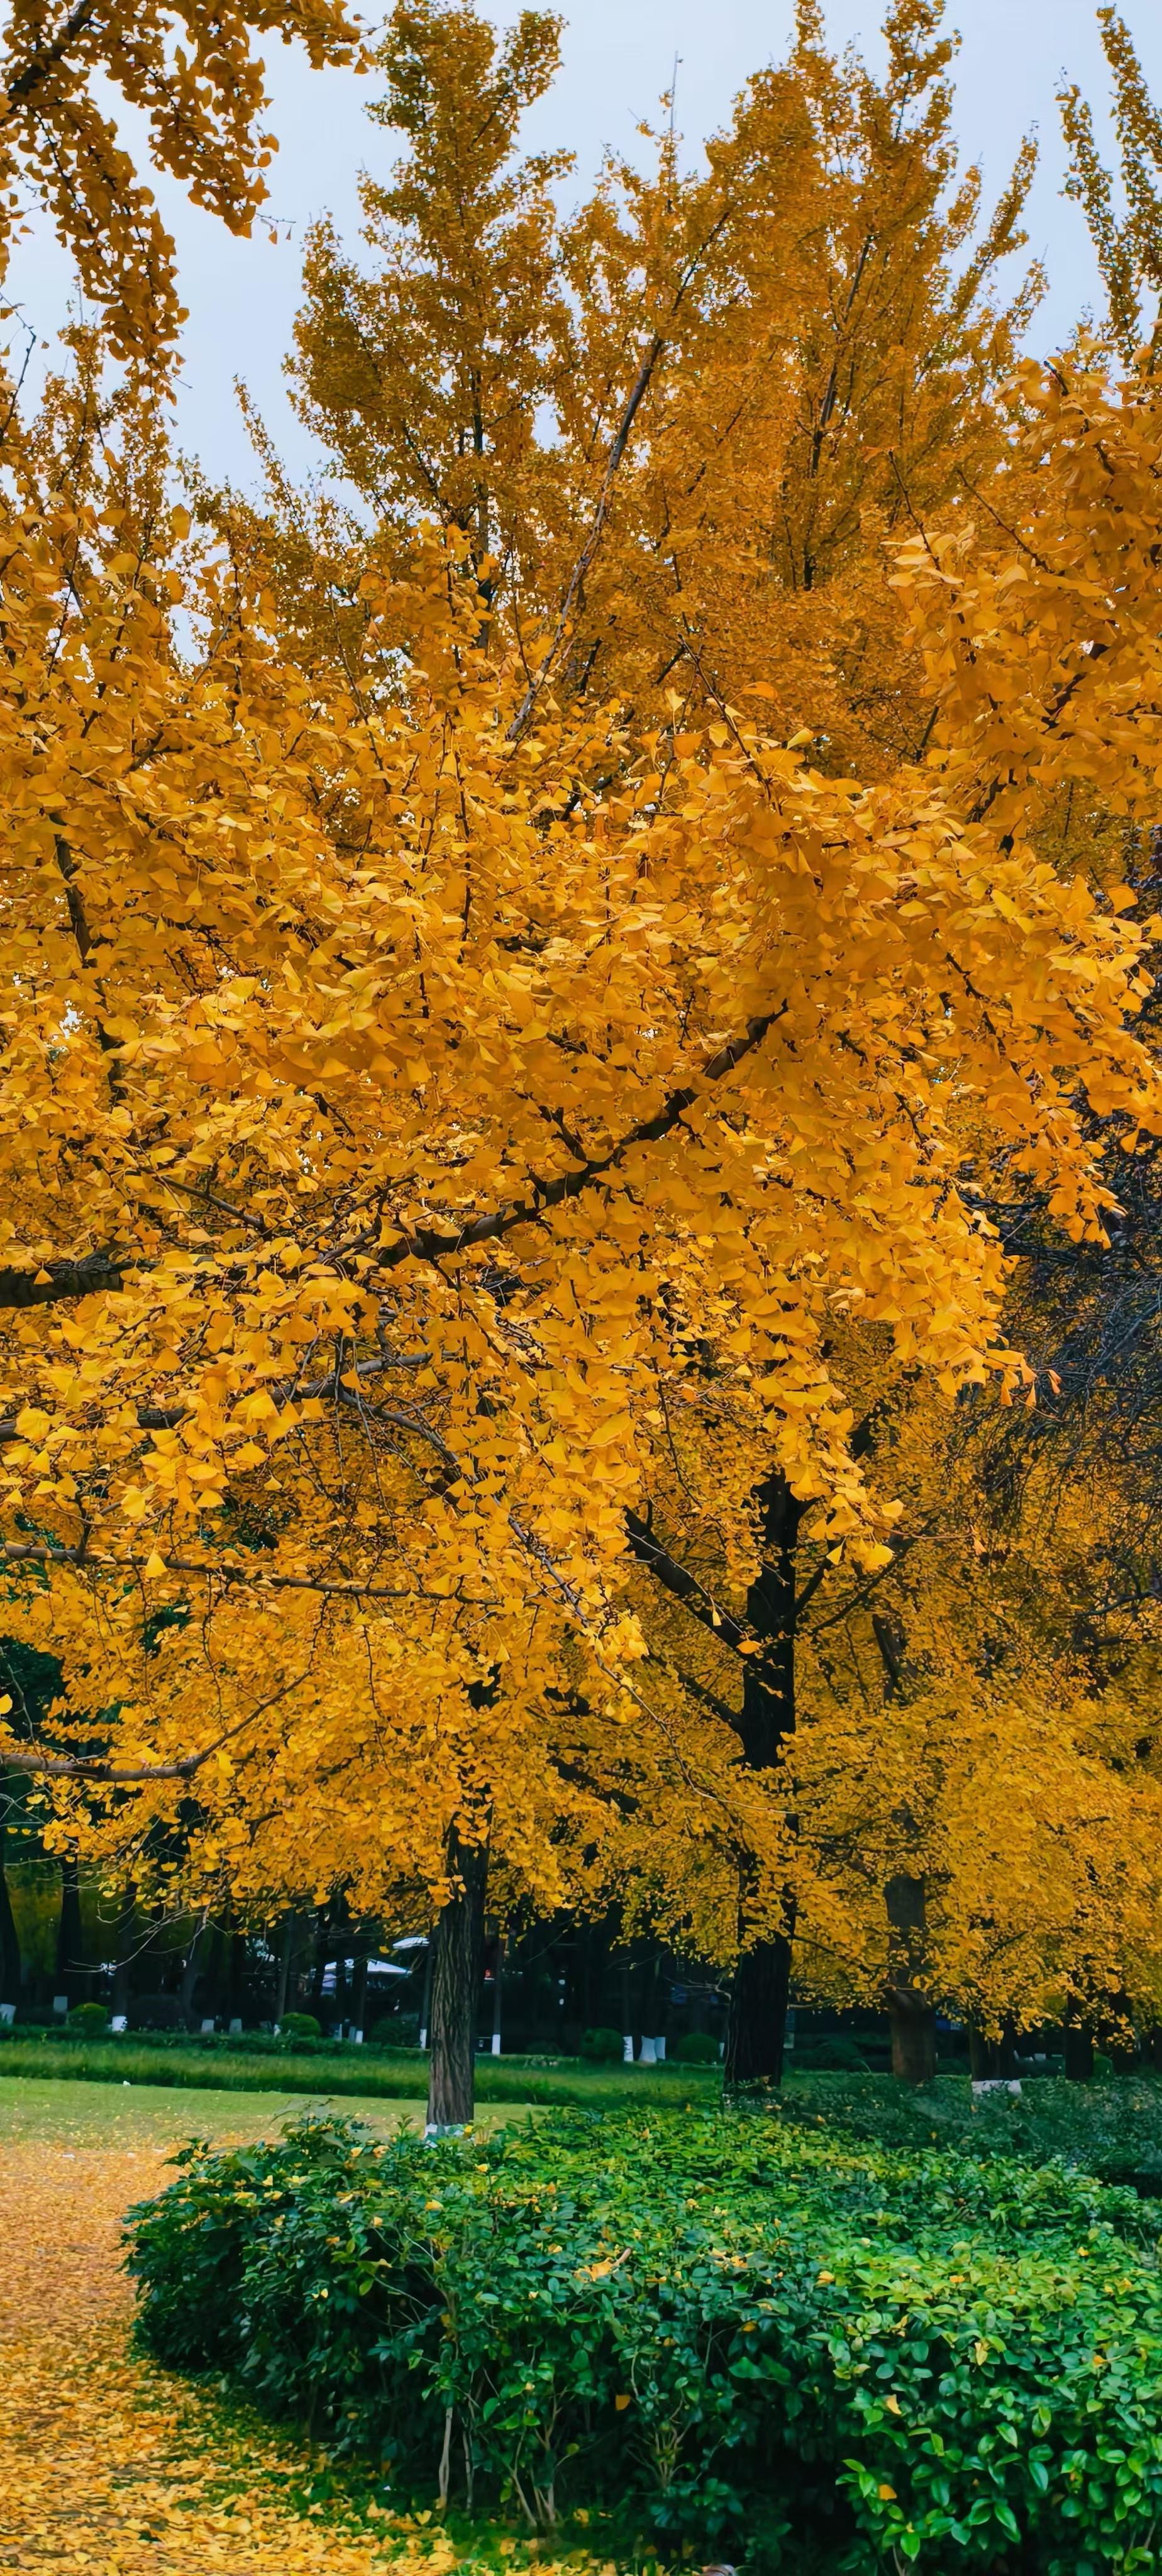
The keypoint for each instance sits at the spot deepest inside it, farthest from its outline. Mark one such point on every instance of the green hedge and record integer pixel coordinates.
(745, 2338)
(1112, 2128)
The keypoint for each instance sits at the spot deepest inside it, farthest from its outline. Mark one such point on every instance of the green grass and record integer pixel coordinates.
(351, 2075)
(79, 2117)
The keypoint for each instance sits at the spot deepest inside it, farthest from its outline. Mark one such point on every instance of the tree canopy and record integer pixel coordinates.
(544, 980)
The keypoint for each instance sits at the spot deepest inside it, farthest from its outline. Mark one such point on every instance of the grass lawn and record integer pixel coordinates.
(130, 2116)
(355, 2075)
(1112, 2128)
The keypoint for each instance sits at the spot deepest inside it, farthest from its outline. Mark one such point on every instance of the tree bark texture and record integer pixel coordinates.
(237, 1973)
(286, 1958)
(457, 1968)
(911, 2017)
(756, 2029)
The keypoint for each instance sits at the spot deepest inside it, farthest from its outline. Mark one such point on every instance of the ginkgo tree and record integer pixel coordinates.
(359, 1048)
(449, 1120)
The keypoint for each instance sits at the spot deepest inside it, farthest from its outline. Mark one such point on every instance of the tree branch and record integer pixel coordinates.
(93, 1273)
(685, 1586)
(40, 66)
(429, 1243)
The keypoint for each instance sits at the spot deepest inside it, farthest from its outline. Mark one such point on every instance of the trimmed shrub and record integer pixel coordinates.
(88, 2021)
(602, 2047)
(395, 2030)
(298, 2025)
(727, 2329)
(837, 2056)
(155, 2012)
(696, 2049)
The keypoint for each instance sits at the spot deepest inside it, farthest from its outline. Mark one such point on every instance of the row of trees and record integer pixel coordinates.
(66, 1940)
(579, 1092)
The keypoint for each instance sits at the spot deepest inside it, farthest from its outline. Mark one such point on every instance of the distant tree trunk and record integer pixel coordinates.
(192, 1970)
(426, 1991)
(9, 1936)
(457, 1964)
(756, 2031)
(911, 2017)
(359, 1989)
(286, 1957)
(650, 2009)
(322, 1929)
(498, 1995)
(70, 1965)
(1078, 2053)
(123, 1951)
(589, 1975)
(1119, 2037)
(990, 2059)
(237, 1974)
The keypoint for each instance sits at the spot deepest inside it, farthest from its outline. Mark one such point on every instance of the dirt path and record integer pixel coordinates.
(106, 2464)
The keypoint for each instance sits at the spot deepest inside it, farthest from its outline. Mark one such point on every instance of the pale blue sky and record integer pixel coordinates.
(618, 57)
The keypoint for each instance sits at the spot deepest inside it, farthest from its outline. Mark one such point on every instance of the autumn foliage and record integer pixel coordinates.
(539, 986)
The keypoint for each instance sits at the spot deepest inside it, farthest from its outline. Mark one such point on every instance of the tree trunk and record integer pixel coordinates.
(1007, 2050)
(9, 1937)
(758, 2014)
(70, 1965)
(1119, 2038)
(319, 1970)
(426, 1993)
(989, 2059)
(457, 1965)
(756, 2031)
(285, 1963)
(1078, 2053)
(237, 1974)
(191, 1971)
(911, 2017)
(359, 1989)
(123, 1952)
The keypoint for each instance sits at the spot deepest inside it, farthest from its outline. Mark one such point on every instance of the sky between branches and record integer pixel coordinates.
(619, 55)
